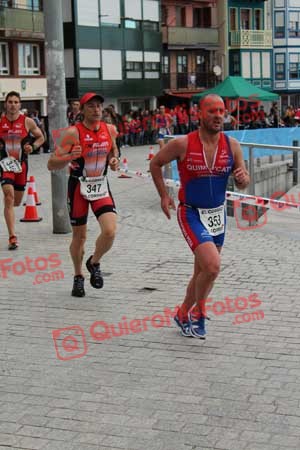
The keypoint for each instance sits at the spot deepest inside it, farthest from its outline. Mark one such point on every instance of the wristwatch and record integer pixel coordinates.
(34, 147)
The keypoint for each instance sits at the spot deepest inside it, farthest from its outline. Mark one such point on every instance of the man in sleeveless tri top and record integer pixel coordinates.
(89, 148)
(19, 136)
(205, 159)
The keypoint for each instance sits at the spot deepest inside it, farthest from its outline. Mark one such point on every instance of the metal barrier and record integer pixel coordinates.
(251, 166)
(295, 158)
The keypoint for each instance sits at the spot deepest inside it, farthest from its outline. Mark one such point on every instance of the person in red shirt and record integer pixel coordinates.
(19, 136)
(74, 115)
(194, 117)
(147, 127)
(126, 129)
(163, 122)
(183, 120)
(89, 147)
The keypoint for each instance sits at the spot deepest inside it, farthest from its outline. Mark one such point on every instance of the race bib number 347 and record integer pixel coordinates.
(213, 219)
(94, 188)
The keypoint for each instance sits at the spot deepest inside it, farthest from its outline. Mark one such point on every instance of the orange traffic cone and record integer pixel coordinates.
(31, 183)
(31, 214)
(125, 168)
(151, 154)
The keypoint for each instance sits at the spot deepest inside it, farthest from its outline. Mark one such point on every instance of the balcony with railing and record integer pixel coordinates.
(251, 39)
(188, 80)
(19, 22)
(190, 36)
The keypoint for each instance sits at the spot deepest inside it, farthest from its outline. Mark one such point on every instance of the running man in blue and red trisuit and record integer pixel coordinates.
(205, 158)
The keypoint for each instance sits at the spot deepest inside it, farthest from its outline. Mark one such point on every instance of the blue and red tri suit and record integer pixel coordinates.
(202, 187)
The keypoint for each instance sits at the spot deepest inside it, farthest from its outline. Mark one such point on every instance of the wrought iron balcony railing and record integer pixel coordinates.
(251, 39)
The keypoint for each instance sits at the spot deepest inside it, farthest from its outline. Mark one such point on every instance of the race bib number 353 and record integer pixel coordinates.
(94, 188)
(213, 219)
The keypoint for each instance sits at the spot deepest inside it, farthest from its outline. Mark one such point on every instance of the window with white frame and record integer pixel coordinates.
(133, 9)
(165, 64)
(294, 24)
(152, 65)
(294, 66)
(151, 10)
(88, 13)
(279, 25)
(134, 65)
(4, 59)
(280, 66)
(89, 63)
(29, 59)
(110, 13)
(112, 65)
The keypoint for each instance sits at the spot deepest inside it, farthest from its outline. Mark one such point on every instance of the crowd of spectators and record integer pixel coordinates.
(144, 127)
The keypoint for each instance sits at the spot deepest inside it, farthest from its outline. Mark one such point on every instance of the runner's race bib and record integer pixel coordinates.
(10, 164)
(163, 131)
(213, 219)
(93, 188)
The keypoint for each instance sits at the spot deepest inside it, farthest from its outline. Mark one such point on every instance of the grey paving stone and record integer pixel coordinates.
(153, 390)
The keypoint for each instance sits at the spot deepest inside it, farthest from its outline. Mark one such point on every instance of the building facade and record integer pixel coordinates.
(22, 62)
(190, 46)
(246, 37)
(113, 47)
(286, 20)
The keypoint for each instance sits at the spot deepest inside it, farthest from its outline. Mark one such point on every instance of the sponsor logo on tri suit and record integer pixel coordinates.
(87, 137)
(201, 168)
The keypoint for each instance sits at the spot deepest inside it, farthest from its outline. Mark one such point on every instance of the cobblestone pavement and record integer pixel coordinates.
(149, 390)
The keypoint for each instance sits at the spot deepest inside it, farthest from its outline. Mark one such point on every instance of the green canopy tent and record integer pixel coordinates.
(238, 88)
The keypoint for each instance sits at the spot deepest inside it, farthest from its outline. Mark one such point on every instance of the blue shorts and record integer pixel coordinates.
(193, 230)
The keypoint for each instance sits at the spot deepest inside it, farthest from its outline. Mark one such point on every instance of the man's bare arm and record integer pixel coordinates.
(240, 173)
(68, 149)
(175, 149)
(32, 127)
(113, 156)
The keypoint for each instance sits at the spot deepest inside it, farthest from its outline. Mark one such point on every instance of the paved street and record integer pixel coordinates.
(150, 388)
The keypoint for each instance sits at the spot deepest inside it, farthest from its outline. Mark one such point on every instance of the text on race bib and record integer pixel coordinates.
(94, 188)
(11, 165)
(213, 219)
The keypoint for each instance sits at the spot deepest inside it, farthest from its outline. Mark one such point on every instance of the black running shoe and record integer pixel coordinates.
(13, 243)
(78, 286)
(96, 279)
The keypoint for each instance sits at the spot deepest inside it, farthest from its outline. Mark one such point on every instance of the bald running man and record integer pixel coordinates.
(205, 159)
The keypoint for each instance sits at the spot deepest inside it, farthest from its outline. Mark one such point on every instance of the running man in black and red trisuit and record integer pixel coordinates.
(205, 159)
(19, 136)
(89, 148)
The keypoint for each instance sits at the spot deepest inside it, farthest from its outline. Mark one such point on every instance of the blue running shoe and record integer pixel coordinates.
(197, 326)
(184, 326)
